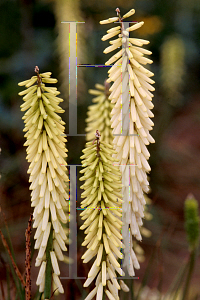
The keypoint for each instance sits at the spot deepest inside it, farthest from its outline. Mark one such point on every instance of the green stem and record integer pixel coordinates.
(189, 275)
(40, 298)
(146, 275)
(177, 282)
(196, 297)
(132, 289)
(8, 283)
(47, 289)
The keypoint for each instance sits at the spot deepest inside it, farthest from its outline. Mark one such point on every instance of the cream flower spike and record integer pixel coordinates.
(102, 215)
(99, 114)
(131, 89)
(46, 154)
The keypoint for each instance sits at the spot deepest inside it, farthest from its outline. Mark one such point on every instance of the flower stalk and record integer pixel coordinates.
(131, 123)
(99, 114)
(173, 69)
(102, 218)
(46, 154)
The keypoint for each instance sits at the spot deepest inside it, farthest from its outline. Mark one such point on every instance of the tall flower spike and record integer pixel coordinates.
(131, 90)
(99, 114)
(46, 154)
(102, 215)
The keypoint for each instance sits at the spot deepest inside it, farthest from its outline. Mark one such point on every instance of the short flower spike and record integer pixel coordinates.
(132, 95)
(99, 114)
(46, 154)
(102, 218)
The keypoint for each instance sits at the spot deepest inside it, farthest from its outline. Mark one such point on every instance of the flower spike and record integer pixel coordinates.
(99, 114)
(131, 94)
(102, 217)
(46, 154)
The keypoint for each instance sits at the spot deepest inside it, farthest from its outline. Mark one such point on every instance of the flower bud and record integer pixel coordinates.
(192, 221)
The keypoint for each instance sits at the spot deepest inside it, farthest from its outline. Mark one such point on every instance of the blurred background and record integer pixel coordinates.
(31, 34)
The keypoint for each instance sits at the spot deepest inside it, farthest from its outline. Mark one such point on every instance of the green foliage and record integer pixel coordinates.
(47, 290)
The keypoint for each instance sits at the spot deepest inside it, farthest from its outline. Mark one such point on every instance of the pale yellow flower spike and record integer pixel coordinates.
(173, 69)
(102, 214)
(46, 155)
(131, 88)
(99, 114)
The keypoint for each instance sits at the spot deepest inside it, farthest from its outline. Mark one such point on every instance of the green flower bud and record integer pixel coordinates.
(192, 221)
